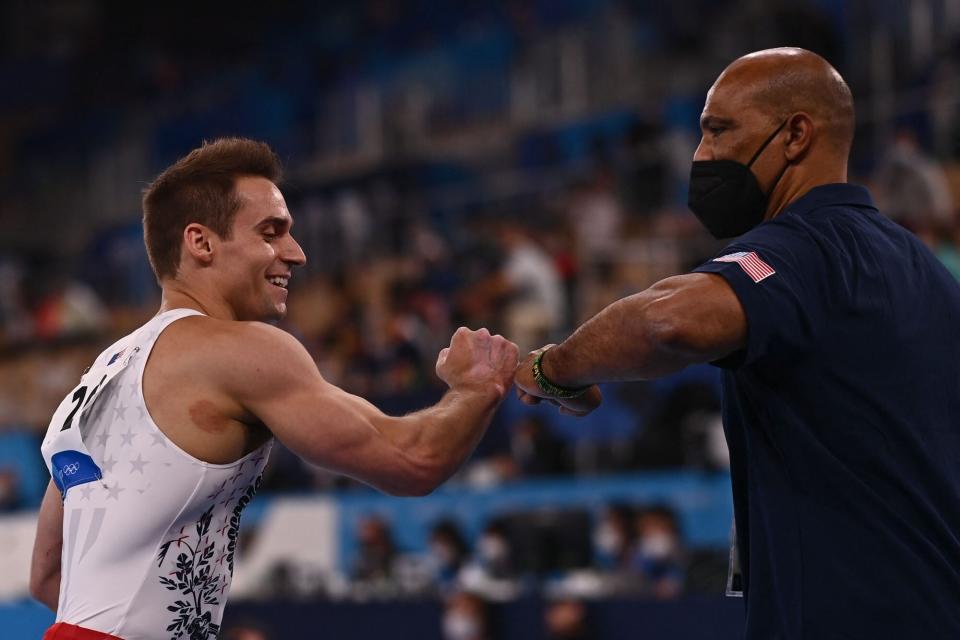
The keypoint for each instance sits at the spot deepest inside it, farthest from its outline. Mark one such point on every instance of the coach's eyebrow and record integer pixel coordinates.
(714, 121)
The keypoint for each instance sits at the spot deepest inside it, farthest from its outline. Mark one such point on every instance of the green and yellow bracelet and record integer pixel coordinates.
(551, 389)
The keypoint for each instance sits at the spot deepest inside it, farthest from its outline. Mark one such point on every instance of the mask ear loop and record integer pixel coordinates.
(766, 197)
(766, 142)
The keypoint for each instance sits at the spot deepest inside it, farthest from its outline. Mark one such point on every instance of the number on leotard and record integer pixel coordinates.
(78, 396)
(93, 393)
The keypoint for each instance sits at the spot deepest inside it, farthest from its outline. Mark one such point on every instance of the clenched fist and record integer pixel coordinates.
(478, 359)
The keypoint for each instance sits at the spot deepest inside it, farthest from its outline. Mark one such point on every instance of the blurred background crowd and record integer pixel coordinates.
(516, 165)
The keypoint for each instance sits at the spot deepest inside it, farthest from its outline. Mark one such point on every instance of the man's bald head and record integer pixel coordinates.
(786, 80)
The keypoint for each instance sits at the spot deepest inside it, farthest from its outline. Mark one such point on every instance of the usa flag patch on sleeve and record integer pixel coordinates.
(751, 264)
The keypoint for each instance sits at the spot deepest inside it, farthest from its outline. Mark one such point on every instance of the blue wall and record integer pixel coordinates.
(22, 620)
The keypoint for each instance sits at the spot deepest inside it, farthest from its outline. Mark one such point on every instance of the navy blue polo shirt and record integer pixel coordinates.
(842, 414)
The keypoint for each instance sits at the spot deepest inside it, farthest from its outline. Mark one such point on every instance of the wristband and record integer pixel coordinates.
(551, 389)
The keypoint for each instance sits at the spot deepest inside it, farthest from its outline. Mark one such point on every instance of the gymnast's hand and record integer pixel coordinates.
(478, 359)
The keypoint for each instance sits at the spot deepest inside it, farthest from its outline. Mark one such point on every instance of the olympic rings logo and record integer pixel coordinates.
(70, 469)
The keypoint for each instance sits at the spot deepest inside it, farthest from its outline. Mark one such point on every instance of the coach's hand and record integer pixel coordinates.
(531, 393)
(478, 359)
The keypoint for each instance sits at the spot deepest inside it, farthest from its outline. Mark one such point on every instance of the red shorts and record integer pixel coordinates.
(64, 631)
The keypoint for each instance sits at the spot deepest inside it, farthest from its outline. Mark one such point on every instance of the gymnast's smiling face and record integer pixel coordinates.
(252, 266)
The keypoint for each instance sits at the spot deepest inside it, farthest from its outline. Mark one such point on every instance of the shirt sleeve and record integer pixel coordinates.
(780, 275)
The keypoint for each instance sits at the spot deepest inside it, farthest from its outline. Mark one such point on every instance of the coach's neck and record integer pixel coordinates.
(815, 170)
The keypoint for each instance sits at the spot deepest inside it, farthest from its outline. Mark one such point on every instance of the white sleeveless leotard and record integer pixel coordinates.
(148, 549)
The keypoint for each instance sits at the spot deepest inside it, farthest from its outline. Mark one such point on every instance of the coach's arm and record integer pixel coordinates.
(45, 564)
(278, 383)
(678, 321)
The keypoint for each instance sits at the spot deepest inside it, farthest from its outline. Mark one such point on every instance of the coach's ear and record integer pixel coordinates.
(199, 242)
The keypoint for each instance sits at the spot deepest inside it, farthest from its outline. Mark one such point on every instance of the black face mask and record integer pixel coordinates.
(725, 195)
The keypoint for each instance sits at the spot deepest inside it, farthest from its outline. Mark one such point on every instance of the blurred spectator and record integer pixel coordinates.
(480, 265)
(548, 542)
(63, 307)
(356, 225)
(449, 552)
(15, 323)
(606, 283)
(376, 551)
(35, 378)
(567, 620)
(466, 617)
(643, 170)
(492, 570)
(537, 450)
(533, 289)
(596, 216)
(403, 365)
(558, 242)
(491, 471)
(657, 555)
(613, 538)
(912, 189)
(493, 552)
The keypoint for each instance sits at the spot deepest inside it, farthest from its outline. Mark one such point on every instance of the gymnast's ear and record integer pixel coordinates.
(199, 243)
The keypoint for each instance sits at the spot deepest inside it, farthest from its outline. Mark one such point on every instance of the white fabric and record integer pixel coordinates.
(17, 532)
(160, 529)
(300, 533)
(63, 449)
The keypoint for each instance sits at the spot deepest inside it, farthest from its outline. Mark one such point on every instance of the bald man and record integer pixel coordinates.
(838, 337)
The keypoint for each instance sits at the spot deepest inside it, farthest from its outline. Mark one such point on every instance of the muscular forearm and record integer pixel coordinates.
(619, 343)
(441, 438)
(675, 323)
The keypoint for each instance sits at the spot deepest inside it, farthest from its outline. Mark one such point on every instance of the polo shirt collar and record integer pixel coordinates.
(831, 195)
